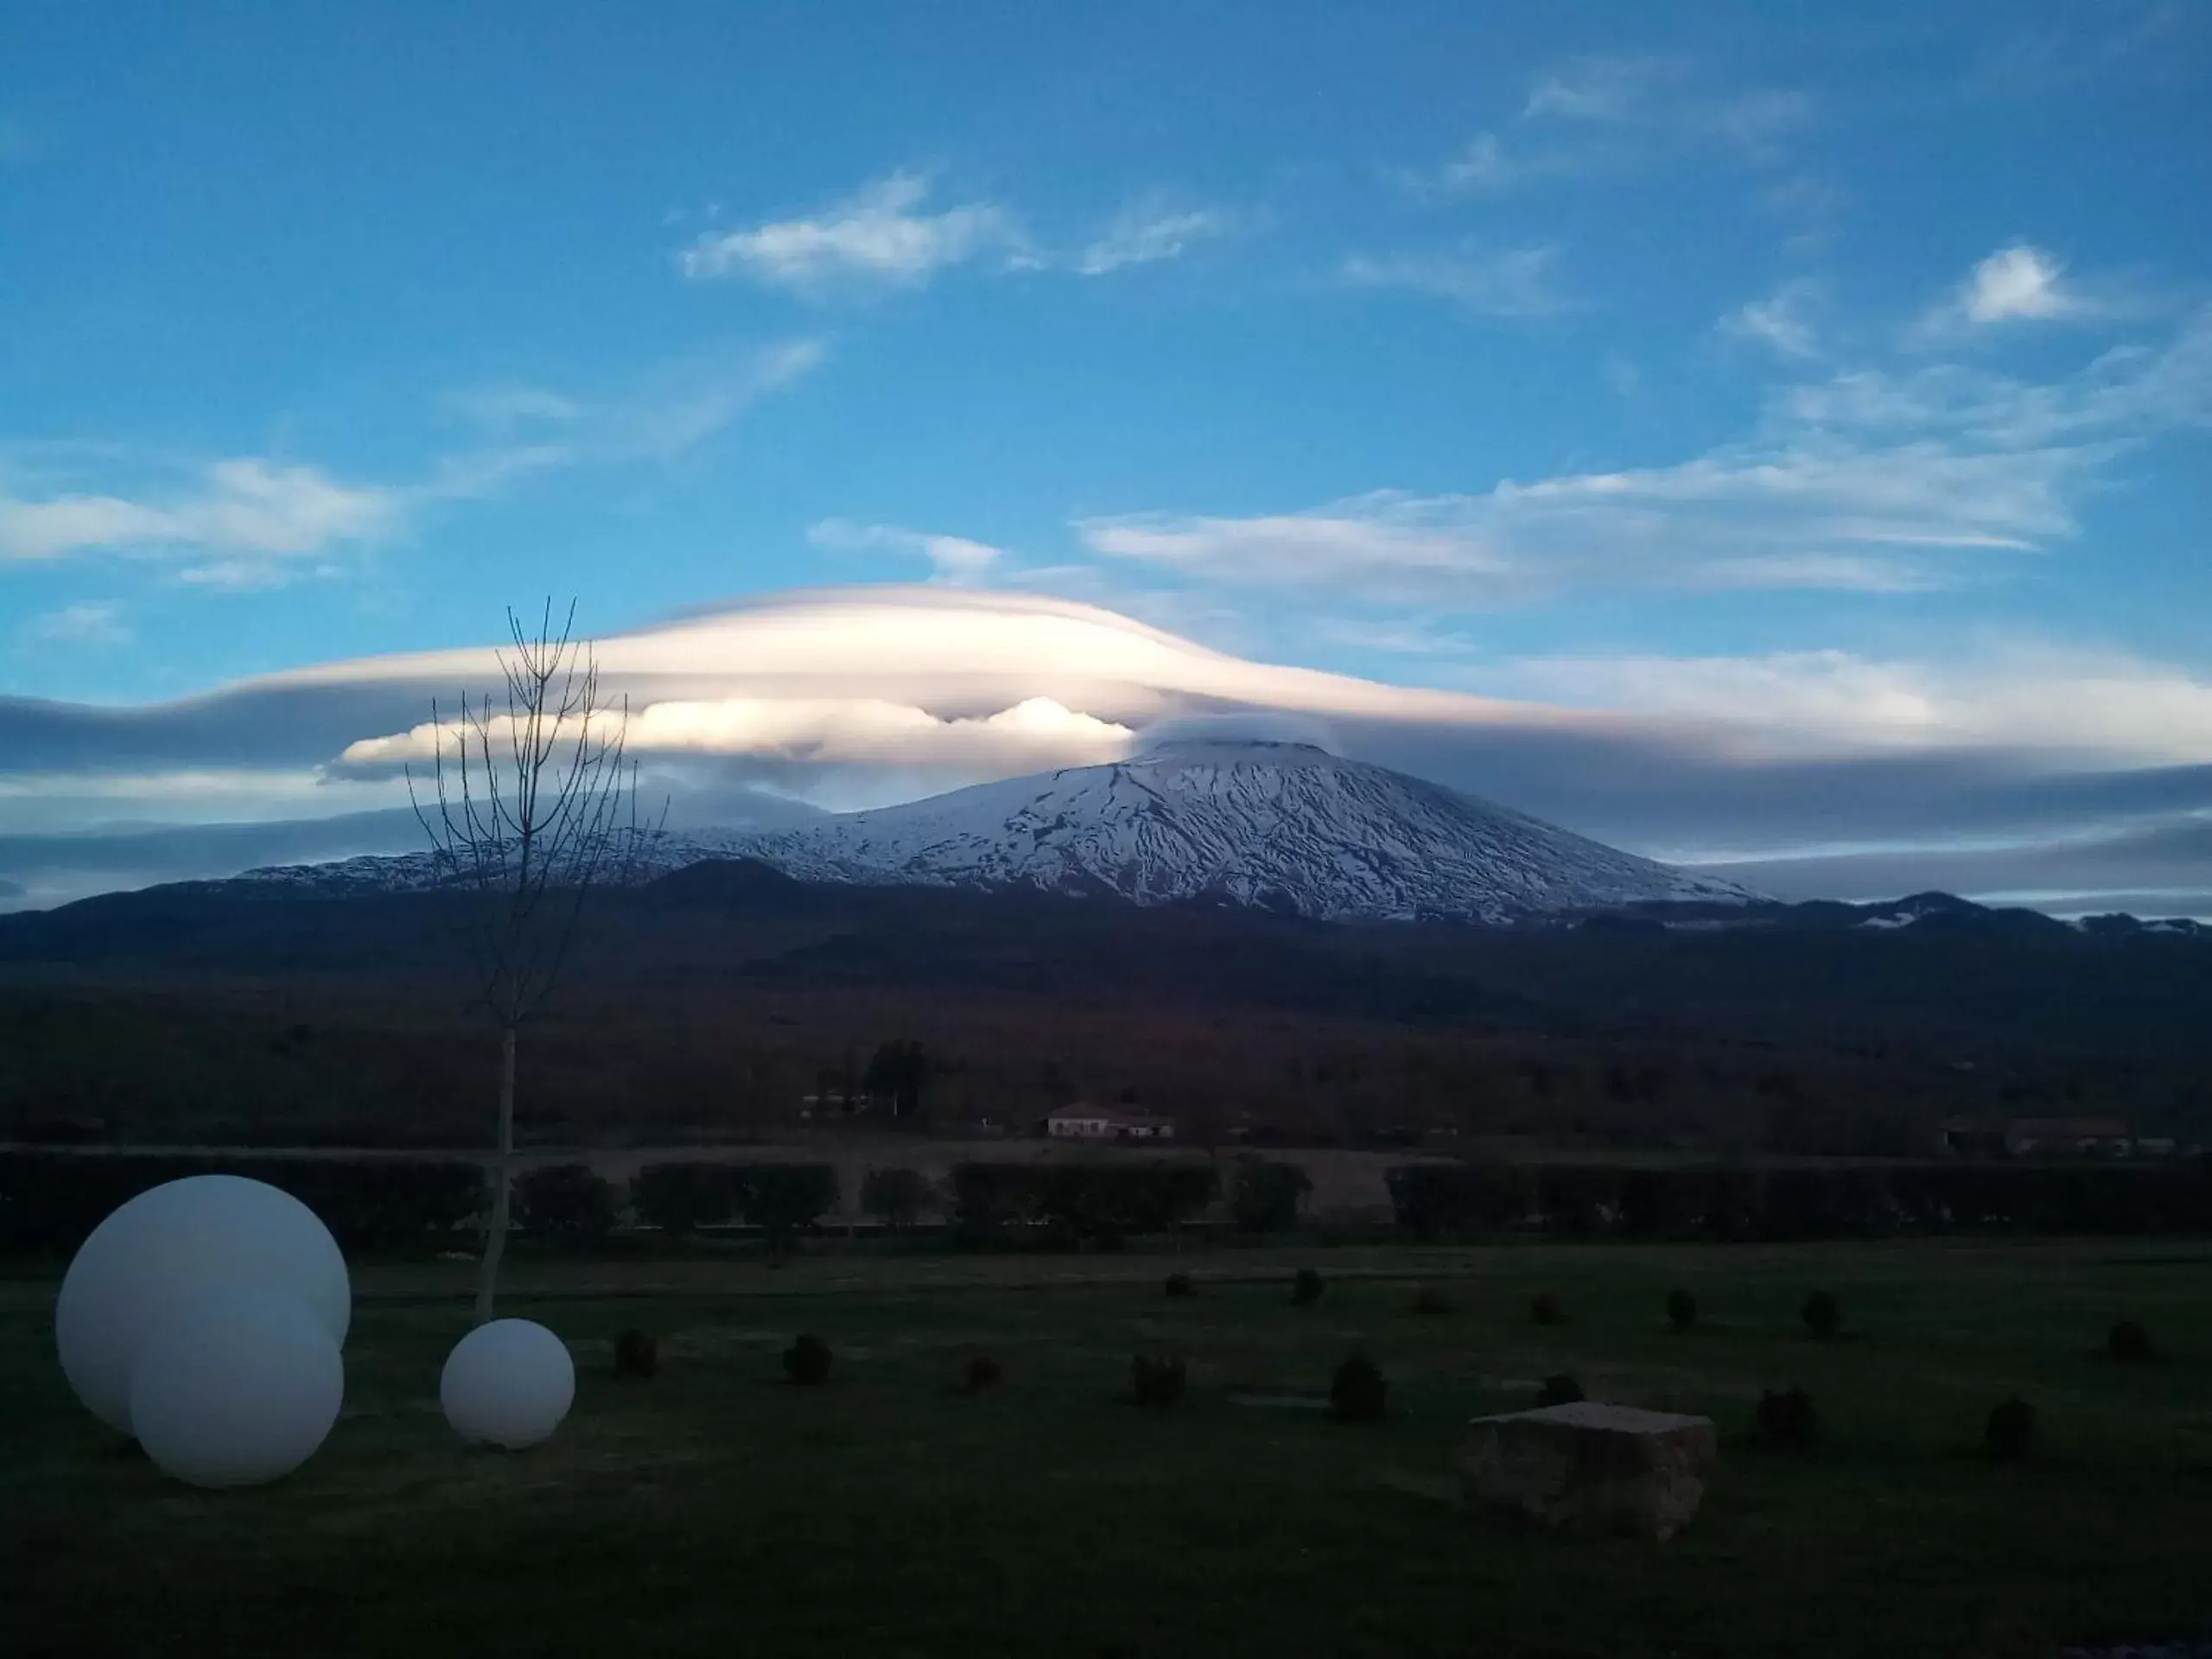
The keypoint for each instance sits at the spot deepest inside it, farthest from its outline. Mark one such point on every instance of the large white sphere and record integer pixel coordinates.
(507, 1384)
(235, 1388)
(203, 1232)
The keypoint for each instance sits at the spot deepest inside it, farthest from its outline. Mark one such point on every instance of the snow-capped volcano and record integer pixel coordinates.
(1287, 825)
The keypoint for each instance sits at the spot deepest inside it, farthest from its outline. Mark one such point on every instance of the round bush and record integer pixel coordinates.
(2011, 1432)
(1823, 1315)
(636, 1354)
(1681, 1309)
(1156, 1380)
(1358, 1392)
(983, 1372)
(1562, 1390)
(1786, 1421)
(1429, 1300)
(806, 1361)
(1305, 1288)
(1178, 1284)
(1546, 1308)
(2128, 1340)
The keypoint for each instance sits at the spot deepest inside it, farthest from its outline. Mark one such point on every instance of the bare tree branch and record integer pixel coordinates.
(528, 809)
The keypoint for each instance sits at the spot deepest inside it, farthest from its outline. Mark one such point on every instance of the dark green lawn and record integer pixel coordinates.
(715, 1510)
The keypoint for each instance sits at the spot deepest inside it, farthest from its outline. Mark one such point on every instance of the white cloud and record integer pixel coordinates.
(1778, 323)
(2013, 283)
(248, 512)
(850, 731)
(1149, 231)
(1489, 165)
(1516, 283)
(2021, 284)
(1795, 704)
(86, 623)
(880, 236)
(671, 411)
(1599, 89)
(1813, 515)
(502, 408)
(957, 561)
(1864, 482)
(1756, 122)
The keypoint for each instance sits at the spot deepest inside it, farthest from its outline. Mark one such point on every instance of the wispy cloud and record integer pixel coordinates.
(253, 522)
(89, 622)
(1489, 165)
(2021, 284)
(2002, 696)
(1779, 322)
(669, 412)
(956, 561)
(1513, 282)
(1149, 231)
(1607, 89)
(1864, 482)
(248, 514)
(883, 236)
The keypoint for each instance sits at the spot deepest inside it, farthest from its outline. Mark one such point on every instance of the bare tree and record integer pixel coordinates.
(530, 808)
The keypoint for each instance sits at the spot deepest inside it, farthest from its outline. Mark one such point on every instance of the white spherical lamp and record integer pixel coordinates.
(234, 1389)
(508, 1383)
(167, 1244)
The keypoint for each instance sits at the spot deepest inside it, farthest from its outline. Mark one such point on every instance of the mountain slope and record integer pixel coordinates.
(1280, 825)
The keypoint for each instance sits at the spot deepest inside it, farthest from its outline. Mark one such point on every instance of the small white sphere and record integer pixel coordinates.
(203, 1232)
(507, 1384)
(233, 1388)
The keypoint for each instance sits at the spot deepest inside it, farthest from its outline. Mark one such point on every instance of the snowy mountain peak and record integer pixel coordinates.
(1286, 825)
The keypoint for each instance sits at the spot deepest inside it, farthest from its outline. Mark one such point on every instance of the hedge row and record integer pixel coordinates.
(1582, 1200)
(53, 1200)
(1086, 1201)
(778, 1198)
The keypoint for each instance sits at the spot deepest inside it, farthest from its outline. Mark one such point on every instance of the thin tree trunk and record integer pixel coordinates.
(495, 1236)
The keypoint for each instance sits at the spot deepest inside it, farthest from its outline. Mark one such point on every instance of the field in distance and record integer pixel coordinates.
(713, 1508)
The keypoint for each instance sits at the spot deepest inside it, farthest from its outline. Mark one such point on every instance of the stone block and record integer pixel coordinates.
(1590, 1468)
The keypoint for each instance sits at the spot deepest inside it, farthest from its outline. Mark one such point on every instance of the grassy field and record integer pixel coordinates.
(715, 1510)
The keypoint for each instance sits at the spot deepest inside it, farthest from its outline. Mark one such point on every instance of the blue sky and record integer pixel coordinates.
(1816, 400)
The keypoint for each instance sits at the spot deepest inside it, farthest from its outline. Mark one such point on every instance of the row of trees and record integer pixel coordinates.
(1581, 1200)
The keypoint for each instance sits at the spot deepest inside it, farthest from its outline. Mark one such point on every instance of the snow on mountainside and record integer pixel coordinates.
(1285, 825)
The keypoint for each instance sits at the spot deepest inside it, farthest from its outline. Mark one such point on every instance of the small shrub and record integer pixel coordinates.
(1156, 1380)
(2128, 1340)
(1358, 1392)
(806, 1361)
(983, 1372)
(1305, 1288)
(1786, 1421)
(1560, 1390)
(636, 1354)
(1546, 1308)
(2011, 1434)
(1681, 1309)
(1178, 1284)
(1823, 1315)
(1429, 1300)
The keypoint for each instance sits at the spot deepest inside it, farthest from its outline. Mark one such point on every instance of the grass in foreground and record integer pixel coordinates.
(713, 1508)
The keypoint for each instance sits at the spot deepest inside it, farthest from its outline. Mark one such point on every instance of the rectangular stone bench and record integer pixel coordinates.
(1592, 1468)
